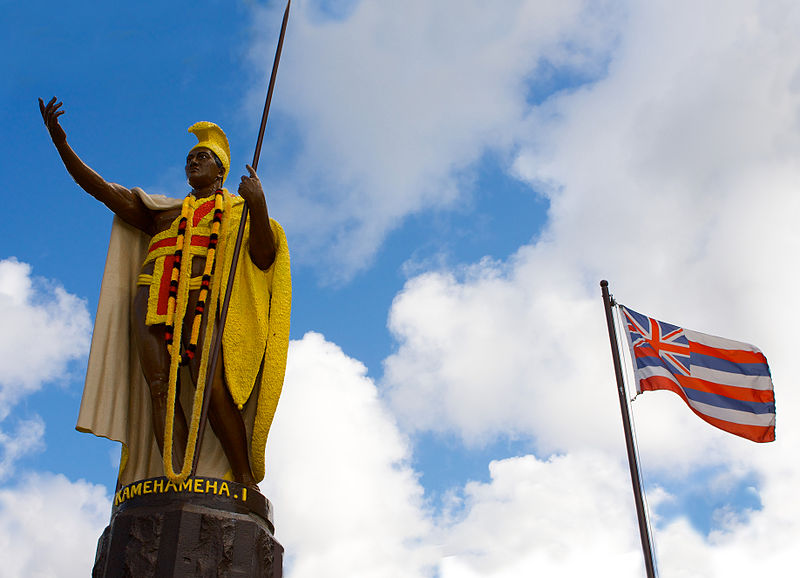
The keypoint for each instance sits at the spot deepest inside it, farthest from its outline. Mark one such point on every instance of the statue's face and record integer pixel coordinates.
(201, 168)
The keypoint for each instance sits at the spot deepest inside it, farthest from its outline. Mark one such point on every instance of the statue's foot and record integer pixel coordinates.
(248, 481)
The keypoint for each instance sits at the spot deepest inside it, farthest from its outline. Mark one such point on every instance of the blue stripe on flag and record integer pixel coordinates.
(728, 402)
(653, 361)
(723, 365)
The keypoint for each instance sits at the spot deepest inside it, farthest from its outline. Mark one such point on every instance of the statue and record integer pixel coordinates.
(165, 276)
(180, 275)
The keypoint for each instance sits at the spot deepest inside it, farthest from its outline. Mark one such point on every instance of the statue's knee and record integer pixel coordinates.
(159, 388)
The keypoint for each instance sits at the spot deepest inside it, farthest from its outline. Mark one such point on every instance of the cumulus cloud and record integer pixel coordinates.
(347, 501)
(485, 354)
(675, 177)
(44, 328)
(27, 437)
(566, 516)
(392, 102)
(697, 239)
(572, 515)
(49, 526)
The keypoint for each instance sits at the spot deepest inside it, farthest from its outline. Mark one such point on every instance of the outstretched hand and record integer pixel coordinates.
(50, 113)
(250, 188)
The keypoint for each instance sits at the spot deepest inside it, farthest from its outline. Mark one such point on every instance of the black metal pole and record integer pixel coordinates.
(633, 461)
(216, 344)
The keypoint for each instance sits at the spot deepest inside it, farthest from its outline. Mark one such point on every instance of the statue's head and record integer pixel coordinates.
(204, 169)
(210, 138)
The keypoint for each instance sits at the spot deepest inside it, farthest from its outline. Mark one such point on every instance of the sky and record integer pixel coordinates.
(455, 178)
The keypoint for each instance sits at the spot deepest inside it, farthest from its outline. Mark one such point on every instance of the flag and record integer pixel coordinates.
(727, 383)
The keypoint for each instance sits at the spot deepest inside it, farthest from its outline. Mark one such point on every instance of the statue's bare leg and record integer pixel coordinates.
(154, 358)
(226, 420)
(223, 415)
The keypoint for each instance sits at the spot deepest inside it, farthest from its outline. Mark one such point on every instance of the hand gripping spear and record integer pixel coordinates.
(216, 344)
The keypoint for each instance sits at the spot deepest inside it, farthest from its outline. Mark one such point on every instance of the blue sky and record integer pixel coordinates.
(455, 178)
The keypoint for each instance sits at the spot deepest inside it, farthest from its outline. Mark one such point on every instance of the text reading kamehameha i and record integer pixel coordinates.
(191, 486)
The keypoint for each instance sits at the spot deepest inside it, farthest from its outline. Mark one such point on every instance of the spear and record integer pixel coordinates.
(216, 344)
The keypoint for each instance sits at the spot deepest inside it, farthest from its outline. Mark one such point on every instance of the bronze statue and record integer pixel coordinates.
(168, 301)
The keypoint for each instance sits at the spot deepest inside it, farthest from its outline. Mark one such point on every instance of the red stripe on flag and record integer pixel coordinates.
(751, 432)
(754, 433)
(734, 355)
(733, 392)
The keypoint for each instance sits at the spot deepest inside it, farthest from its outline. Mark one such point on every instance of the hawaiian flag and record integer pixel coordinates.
(727, 383)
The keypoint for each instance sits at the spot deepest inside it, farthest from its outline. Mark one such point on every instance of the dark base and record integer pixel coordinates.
(187, 534)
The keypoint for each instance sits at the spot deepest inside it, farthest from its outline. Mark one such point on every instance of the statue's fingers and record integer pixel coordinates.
(41, 106)
(253, 174)
(52, 100)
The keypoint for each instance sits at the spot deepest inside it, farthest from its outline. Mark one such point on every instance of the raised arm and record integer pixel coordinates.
(123, 202)
(262, 242)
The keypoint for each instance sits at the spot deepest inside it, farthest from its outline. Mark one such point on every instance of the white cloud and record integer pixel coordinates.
(495, 353)
(698, 238)
(393, 101)
(567, 516)
(28, 437)
(346, 501)
(573, 515)
(44, 328)
(675, 177)
(49, 526)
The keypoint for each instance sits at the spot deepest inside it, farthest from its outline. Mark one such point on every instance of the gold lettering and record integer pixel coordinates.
(148, 486)
(224, 488)
(186, 486)
(126, 493)
(198, 485)
(118, 498)
(244, 494)
(211, 486)
(136, 490)
(174, 487)
(158, 486)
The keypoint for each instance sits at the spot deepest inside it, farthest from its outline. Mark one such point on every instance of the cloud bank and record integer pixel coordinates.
(44, 330)
(393, 102)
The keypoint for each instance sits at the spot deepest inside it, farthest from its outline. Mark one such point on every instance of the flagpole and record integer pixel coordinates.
(216, 344)
(633, 461)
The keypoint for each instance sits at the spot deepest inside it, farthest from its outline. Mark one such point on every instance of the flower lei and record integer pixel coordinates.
(187, 211)
(176, 308)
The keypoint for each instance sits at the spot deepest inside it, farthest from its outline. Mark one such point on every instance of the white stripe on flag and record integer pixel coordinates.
(718, 342)
(734, 415)
(762, 382)
(650, 371)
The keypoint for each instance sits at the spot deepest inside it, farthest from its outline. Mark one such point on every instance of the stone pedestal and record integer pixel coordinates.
(203, 527)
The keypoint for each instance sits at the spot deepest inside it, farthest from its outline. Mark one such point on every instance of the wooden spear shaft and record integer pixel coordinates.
(216, 344)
